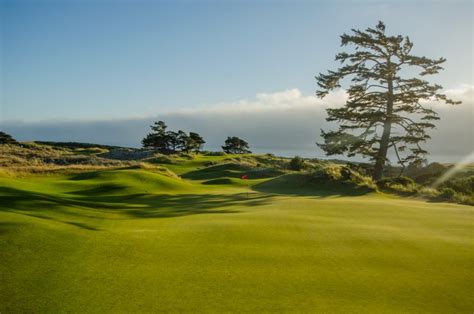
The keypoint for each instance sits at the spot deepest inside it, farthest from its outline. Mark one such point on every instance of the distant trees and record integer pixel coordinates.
(167, 142)
(196, 142)
(386, 108)
(297, 163)
(158, 138)
(235, 145)
(7, 139)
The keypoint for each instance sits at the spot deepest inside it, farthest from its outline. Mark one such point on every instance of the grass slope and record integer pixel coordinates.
(135, 240)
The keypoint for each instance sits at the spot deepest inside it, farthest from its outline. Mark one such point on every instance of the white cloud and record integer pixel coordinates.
(286, 122)
(277, 101)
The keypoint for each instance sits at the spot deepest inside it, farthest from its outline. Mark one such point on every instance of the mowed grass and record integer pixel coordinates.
(134, 240)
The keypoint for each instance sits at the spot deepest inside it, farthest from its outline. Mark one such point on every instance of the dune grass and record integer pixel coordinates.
(136, 240)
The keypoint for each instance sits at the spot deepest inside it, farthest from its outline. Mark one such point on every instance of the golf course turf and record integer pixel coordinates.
(136, 240)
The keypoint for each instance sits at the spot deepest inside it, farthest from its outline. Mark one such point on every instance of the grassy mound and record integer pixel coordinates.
(331, 180)
(307, 184)
(95, 242)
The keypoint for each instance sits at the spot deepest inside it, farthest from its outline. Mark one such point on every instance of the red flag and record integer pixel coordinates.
(244, 177)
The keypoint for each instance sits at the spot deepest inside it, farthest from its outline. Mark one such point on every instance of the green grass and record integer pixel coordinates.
(135, 240)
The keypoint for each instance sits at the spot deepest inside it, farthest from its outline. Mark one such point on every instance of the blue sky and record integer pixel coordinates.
(117, 59)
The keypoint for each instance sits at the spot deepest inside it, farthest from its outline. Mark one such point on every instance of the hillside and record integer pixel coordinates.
(139, 235)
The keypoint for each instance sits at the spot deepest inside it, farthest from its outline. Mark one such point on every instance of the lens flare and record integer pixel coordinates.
(457, 167)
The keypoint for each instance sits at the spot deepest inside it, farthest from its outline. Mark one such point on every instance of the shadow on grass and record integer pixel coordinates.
(231, 170)
(165, 206)
(94, 206)
(102, 189)
(225, 181)
(228, 170)
(300, 184)
(6, 227)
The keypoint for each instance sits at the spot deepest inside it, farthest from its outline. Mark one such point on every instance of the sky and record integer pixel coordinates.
(74, 69)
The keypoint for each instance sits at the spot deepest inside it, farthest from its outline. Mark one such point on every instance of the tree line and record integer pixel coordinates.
(168, 142)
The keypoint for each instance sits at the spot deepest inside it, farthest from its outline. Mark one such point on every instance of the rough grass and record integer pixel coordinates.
(32, 157)
(140, 239)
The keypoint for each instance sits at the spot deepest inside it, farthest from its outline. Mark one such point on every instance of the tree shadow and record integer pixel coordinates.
(229, 170)
(301, 184)
(95, 206)
(7, 227)
(166, 206)
(22, 199)
(100, 190)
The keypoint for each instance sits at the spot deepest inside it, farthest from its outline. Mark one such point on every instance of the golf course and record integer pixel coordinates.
(193, 236)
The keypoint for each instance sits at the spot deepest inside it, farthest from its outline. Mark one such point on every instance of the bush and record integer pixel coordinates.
(447, 194)
(462, 185)
(7, 139)
(426, 175)
(208, 153)
(297, 163)
(395, 184)
(428, 192)
(342, 174)
(160, 159)
(189, 156)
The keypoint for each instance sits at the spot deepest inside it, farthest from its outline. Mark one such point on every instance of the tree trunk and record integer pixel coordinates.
(382, 153)
(385, 140)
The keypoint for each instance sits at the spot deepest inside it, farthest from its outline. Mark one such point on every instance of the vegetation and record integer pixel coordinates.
(168, 142)
(75, 145)
(381, 98)
(32, 157)
(235, 145)
(7, 139)
(317, 241)
(297, 163)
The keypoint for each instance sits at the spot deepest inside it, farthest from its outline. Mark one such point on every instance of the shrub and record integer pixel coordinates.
(428, 192)
(7, 139)
(189, 156)
(160, 159)
(447, 194)
(426, 175)
(462, 185)
(208, 153)
(342, 174)
(396, 183)
(297, 163)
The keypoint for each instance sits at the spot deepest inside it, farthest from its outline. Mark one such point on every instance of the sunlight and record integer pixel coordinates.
(457, 167)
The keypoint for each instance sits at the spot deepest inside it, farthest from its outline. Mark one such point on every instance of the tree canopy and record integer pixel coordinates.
(387, 108)
(166, 141)
(235, 145)
(7, 139)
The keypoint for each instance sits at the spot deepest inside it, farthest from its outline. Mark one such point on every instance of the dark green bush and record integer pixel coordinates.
(160, 159)
(208, 153)
(426, 175)
(462, 185)
(387, 182)
(447, 194)
(335, 174)
(398, 184)
(297, 163)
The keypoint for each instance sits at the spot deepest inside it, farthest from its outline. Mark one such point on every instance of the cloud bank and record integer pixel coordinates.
(285, 123)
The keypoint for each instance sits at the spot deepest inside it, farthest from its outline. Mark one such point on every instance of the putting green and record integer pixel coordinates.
(133, 240)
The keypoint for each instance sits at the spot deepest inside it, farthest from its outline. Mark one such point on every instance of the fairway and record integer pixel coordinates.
(137, 240)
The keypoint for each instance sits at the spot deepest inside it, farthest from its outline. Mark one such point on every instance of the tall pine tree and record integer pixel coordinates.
(158, 139)
(386, 107)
